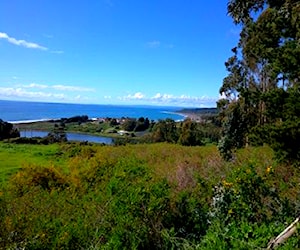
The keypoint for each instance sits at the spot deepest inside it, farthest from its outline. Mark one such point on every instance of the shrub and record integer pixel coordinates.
(7, 130)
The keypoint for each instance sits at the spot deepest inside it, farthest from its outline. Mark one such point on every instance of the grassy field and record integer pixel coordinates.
(16, 156)
(146, 196)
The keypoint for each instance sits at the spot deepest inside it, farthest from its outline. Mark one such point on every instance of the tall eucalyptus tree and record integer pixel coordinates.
(264, 75)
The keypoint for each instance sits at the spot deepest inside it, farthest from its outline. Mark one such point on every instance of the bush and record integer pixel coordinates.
(7, 130)
(147, 197)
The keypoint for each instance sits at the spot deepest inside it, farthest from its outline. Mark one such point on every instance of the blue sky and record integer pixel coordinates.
(155, 52)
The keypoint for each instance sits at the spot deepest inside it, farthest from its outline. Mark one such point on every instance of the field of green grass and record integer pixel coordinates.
(145, 196)
(13, 157)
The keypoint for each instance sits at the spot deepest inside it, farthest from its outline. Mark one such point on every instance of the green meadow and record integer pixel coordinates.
(145, 196)
(14, 157)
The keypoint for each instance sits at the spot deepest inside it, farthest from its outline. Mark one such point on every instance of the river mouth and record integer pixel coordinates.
(70, 136)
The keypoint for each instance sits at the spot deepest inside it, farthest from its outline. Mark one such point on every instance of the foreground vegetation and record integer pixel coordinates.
(262, 90)
(147, 196)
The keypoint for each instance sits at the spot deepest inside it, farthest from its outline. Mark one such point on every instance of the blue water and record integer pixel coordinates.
(15, 111)
(70, 136)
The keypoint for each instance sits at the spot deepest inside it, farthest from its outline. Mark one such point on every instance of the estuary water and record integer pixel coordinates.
(70, 136)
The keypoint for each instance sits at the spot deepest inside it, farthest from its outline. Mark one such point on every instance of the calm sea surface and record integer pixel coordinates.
(14, 111)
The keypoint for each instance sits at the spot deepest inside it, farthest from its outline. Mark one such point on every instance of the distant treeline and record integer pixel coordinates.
(199, 111)
(79, 119)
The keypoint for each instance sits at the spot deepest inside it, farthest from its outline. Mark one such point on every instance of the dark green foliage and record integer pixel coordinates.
(263, 78)
(283, 131)
(7, 130)
(78, 119)
(199, 111)
(57, 135)
(190, 217)
(136, 125)
(165, 131)
(190, 135)
(245, 206)
(284, 139)
(113, 122)
(241, 197)
(136, 208)
(129, 124)
(235, 127)
(275, 100)
(142, 124)
(211, 132)
(186, 133)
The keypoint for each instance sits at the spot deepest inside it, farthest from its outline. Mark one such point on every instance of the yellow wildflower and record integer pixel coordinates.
(227, 184)
(269, 169)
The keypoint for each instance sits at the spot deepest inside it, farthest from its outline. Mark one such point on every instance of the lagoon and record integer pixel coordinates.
(70, 136)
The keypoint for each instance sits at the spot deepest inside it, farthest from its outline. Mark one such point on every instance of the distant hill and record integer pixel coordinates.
(198, 111)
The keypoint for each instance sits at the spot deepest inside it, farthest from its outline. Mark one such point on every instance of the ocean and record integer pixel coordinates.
(17, 111)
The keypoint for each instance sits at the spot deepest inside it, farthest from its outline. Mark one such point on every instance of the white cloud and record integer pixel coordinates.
(160, 96)
(21, 93)
(22, 43)
(71, 88)
(169, 99)
(35, 85)
(153, 44)
(43, 92)
(136, 96)
(184, 100)
(222, 96)
(58, 87)
(156, 44)
(157, 96)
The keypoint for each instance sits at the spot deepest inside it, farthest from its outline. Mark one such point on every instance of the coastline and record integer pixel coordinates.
(30, 121)
(192, 116)
(197, 114)
(20, 112)
(184, 116)
(101, 127)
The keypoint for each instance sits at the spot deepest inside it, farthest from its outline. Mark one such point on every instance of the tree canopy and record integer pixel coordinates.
(7, 130)
(261, 91)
